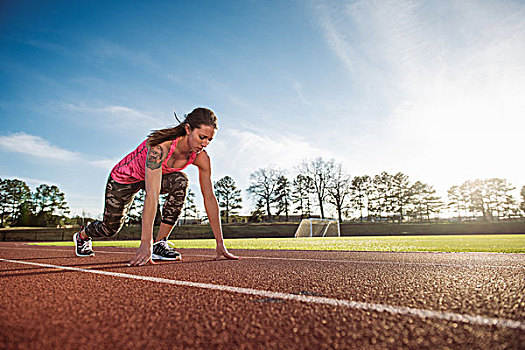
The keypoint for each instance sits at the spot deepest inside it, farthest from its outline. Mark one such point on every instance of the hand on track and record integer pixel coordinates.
(223, 252)
(143, 255)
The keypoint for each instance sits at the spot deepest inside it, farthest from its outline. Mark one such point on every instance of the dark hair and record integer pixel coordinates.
(197, 117)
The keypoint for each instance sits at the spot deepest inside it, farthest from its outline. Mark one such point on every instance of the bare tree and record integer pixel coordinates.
(339, 190)
(320, 172)
(263, 183)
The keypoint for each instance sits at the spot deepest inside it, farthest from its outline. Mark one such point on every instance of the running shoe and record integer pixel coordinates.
(83, 247)
(163, 251)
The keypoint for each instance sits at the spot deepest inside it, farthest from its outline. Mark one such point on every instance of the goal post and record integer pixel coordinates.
(313, 227)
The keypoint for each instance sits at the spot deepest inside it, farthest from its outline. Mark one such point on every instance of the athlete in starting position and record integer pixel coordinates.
(156, 166)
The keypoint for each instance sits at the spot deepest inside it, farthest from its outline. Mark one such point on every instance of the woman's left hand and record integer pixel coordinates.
(223, 252)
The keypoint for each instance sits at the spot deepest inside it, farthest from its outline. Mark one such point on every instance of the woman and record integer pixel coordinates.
(156, 166)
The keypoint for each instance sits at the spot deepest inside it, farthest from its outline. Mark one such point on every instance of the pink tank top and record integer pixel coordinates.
(132, 168)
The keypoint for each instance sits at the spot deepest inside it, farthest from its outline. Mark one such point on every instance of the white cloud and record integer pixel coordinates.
(36, 146)
(121, 116)
(107, 50)
(336, 41)
(299, 91)
(41, 44)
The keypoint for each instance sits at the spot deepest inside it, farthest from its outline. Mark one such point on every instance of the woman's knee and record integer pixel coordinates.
(113, 228)
(103, 229)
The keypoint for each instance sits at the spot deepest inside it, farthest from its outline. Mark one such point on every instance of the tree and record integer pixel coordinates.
(25, 213)
(418, 206)
(522, 193)
(401, 194)
(467, 195)
(50, 203)
(15, 201)
(502, 203)
(382, 201)
(455, 200)
(339, 189)
(302, 189)
(424, 200)
(491, 198)
(464, 197)
(257, 214)
(228, 196)
(263, 183)
(5, 205)
(282, 196)
(361, 193)
(320, 172)
(49, 199)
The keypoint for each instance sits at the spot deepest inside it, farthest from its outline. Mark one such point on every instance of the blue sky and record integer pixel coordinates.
(434, 89)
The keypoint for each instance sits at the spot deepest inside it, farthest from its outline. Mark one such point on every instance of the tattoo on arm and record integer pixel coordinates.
(154, 157)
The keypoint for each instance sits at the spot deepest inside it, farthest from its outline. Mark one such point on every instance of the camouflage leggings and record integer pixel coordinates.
(119, 198)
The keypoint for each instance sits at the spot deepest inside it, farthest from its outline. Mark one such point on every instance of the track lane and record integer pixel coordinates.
(359, 327)
(491, 293)
(301, 297)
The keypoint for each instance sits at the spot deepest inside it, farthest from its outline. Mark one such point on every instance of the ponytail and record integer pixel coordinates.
(198, 117)
(159, 136)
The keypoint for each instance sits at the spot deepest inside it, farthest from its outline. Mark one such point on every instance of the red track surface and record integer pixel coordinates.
(51, 308)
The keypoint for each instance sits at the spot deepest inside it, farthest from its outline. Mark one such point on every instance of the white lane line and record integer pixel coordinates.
(471, 266)
(395, 310)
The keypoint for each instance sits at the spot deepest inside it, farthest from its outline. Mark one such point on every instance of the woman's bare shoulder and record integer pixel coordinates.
(165, 146)
(157, 154)
(202, 160)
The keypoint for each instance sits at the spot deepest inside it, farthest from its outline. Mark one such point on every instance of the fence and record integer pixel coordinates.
(277, 230)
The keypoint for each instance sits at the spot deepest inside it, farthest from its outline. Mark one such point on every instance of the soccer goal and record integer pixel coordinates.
(318, 228)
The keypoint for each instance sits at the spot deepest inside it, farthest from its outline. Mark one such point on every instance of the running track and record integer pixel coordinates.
(50, 299)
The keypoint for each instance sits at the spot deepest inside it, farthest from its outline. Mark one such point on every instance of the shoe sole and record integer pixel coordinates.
(76, 251)
(160, 257)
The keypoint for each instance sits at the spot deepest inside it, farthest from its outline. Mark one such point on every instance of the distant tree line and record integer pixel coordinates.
(375, 198)
(19, 206)
(490, 199)
(319, 186)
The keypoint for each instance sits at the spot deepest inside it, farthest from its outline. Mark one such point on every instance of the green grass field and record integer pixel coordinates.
(456, 243)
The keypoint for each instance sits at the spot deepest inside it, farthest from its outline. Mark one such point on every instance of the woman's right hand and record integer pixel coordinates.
(143, 255)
